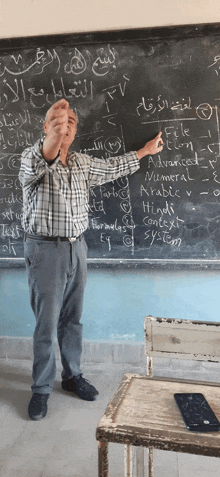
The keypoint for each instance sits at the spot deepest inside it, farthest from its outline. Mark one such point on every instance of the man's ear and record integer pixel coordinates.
(45, 126)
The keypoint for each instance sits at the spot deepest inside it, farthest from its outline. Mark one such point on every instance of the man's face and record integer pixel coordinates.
(71, 128)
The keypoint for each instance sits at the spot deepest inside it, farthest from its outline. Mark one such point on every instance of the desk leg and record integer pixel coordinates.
(139, 461)
(102, 459)
(127, 460)
(150, 462)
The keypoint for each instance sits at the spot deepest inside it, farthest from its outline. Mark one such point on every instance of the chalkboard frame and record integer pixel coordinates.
(8, 45)
(132, 264)
(113, 36)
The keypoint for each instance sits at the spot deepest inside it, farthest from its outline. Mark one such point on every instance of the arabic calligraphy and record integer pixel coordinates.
(152, 105)
(16, 91)
(80, 90)
(109, 146)
(16, 71)
(10, 120)
(77, 65)
(106, 58)
(41, 61)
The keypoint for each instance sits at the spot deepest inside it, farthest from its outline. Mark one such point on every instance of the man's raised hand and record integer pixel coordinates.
(151, 147)
(56, 120)
(55, 128)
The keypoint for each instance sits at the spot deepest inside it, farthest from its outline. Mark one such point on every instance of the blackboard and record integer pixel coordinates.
(124, 87)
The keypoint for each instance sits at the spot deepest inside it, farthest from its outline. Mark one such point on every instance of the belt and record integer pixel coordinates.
(53, 239)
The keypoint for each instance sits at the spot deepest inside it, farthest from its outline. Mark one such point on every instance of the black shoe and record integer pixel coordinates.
(81, 387)
(37, 408)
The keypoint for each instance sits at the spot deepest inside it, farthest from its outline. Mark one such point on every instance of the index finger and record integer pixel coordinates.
(159, 138)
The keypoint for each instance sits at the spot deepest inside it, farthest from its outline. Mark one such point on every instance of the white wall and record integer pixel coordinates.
(38, 17)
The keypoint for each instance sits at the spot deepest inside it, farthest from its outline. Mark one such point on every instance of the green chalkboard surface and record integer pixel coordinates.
(124, 87)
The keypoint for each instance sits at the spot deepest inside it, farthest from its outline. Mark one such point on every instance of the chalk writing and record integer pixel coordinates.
(113, 94)
(12, 199)
(119, 192)
(111, 145)
(158, 104)
(105, 59)
(14, 91)
(160, 226)
(77, 65)
(215, 64)
(15, 231)
(17, 65)
(123, 94)
(9, 248)
(204, 111)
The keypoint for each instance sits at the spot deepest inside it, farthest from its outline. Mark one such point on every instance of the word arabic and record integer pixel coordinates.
(101, 64)
(151, 105)
(9, 121)
(112, 145)
(38, 97)
(42, 60)
(80, 90)
(100, 67)
(77, 65)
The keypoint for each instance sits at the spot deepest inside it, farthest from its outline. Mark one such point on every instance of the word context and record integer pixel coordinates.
(173, 184)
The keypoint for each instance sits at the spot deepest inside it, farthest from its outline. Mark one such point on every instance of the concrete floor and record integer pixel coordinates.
(63, 444)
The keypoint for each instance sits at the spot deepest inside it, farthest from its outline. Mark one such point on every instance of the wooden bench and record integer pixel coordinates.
(143, 413)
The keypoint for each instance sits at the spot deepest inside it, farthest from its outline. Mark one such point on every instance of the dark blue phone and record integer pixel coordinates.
(196, 412)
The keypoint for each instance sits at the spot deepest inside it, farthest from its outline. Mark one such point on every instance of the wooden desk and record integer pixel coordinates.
(143, 412)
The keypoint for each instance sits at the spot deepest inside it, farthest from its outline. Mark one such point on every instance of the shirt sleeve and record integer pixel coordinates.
(102, 171)
(33, 165)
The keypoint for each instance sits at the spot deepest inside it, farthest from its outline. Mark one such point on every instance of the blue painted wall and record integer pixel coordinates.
(116, 301)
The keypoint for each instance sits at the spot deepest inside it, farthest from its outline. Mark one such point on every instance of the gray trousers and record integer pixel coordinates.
(57, 277)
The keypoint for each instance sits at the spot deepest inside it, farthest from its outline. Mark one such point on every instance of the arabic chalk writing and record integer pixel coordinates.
(123, 93)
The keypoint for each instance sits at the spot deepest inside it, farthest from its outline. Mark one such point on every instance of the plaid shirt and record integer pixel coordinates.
(56, 197)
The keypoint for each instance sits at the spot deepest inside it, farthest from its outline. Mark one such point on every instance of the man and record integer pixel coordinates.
(56, 186)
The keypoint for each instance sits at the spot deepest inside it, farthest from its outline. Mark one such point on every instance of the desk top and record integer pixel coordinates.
(143, 412)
